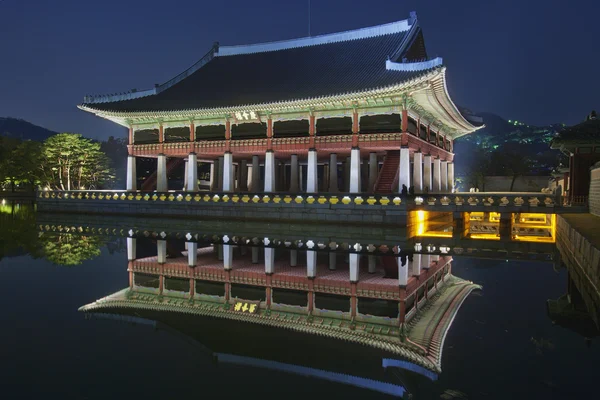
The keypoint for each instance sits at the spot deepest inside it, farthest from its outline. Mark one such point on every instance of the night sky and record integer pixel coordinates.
(531, 60)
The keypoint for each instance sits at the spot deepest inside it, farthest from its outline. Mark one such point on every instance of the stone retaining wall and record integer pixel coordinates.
(595, 190)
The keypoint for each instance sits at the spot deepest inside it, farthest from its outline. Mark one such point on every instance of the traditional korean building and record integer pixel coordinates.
(365, 110)
(581, 143)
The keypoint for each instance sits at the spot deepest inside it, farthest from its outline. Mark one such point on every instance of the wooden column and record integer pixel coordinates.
(227, 135)
(161, 139)
(404, 121)
(269, 134)
(312, 131)
(131, 135)
(355, 128)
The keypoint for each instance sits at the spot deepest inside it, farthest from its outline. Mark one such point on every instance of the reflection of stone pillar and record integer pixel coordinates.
(131, 174)
(437, 176)
(269, 260)
(161, 247)
(451, 177)
(355, 170)
(354, 267)
(192, 173)
(311, 263)
(332, 260)
(227, 256)
(294, 174)
(402, 272)
(293, 258)
(192, 248)
(269, 171)
(372, 264)
(161, 174)
(416, 265)
(255, 174)
(425, 261)
(444, 176)
(333, 173)
(243, 184)
(131, 248)
(373, 171)
(254, 255)
(404, 169)
(228, 172)
(435, 258)
(427, 184)
(418, 172)
(311, 175)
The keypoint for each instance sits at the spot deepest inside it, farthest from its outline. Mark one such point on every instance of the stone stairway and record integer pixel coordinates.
(389, 173)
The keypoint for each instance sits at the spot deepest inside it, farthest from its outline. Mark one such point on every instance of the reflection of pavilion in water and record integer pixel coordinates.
(400, 304)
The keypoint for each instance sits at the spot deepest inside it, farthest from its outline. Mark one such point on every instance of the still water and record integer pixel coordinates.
(502, 343)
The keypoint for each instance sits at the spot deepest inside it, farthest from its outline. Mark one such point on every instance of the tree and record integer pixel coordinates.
(71, 161)
(20, 162)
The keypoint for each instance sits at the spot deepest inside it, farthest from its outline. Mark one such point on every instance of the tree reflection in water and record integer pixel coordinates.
(18, 233)
(70, 249)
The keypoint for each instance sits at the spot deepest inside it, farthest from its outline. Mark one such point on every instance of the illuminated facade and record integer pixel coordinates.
(356, 111)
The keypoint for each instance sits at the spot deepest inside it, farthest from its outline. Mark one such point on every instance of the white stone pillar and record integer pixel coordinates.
(192, 248)
(294, 188)
(444, 176)
(254, 255)
(185, 175)
(418, 172)
(161, 174)
(227, 256)
(228, 172)
(435, 258)
(255, 174)
(161, 248)
(192, 173)
(333, 173)
(354, 267)
(311, 263)
(372, 264)
(293, 258)
(427, 183)
(213, 177)
(437, 176)
(269, 171)
(355, 170)
(451, 177)
(373, 171)
(402, 272)
(416, 265)
(269, 260)
(332, 261)
(131, 174)
(404, 169)
(311, 175)
(131, 248)
(425, 261)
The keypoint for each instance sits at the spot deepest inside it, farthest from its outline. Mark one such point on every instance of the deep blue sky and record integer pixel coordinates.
(530, 60)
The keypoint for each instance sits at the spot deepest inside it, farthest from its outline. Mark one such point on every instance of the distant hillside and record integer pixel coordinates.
(21, 129)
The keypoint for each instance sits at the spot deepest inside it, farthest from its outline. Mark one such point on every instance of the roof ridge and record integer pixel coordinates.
(361, 33)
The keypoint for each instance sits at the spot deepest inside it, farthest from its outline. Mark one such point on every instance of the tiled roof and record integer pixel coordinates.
(585, 132)
(300, 69)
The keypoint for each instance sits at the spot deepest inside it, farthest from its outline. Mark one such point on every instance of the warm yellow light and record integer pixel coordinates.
(532, 218)
(476, 216)
(486, 236)
(494, 217)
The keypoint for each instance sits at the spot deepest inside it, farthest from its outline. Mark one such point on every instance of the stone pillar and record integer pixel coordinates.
(425, 261)
(213, 176)
(228, 172)
(333, 173)
(185, 174)
(354, 267)
(269, 260)
(293, 258)
(373, 171)
(161, 174)
(347, 175)
(269, 171)
(131, 248)
(372, 264)
(254, 255)
(227, 256)
(192, 248)
(427, 183)
(161, 248)
(332, 261)
(220, 173)
(131, 174)
(418, 172)
(444, 176)
(311, 175)
(402, 273)
(364, 175)
(294, 188)
(355, 170)
(404, 169)
(255, 174)
(311, 263)
(192, 176)
(416, 265)
(244, 176)
(437, 176)
(451, 177)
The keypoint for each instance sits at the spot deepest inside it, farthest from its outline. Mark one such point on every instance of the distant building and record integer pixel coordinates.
(581, 143)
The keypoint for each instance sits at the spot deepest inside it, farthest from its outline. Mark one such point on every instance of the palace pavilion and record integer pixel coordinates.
(364, 110)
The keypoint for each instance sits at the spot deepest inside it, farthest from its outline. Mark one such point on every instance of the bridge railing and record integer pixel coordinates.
(489, 199)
